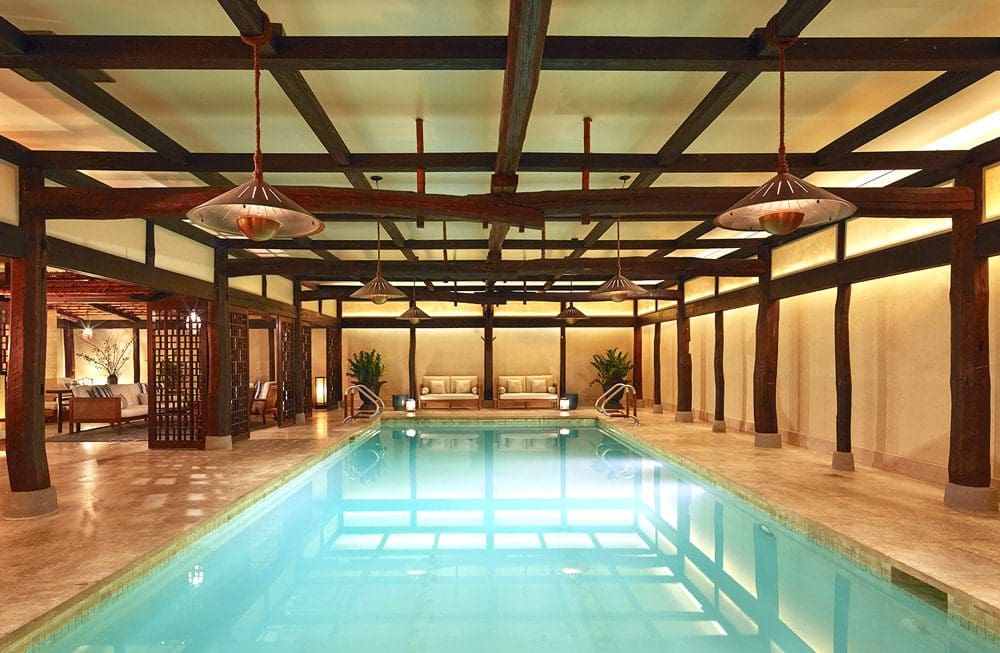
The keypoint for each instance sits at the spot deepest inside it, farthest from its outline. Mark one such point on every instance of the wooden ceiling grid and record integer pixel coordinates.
(69, 61)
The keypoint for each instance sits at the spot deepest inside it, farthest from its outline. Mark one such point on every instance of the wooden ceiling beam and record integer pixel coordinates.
(497, 296)
(117, 312)
(584, 268)
(601, 53)
(683, 242)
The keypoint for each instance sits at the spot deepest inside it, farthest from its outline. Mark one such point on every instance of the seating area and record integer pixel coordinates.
(108, 404)
(451, 392)
(530, 391)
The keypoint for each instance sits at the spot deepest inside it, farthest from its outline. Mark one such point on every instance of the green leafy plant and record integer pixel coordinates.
(366, 368)
(612, 366)
(109, 356)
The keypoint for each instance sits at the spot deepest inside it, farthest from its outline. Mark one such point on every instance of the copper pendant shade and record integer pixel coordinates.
(255, 209)
(378, 290)
(571, 315)
(784, 203)
(414, 315)
(618, 288)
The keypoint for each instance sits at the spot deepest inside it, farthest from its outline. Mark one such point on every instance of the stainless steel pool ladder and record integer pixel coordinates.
(628, 411)
(349, 414)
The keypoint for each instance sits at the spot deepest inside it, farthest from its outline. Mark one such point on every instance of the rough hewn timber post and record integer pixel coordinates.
(218, 431)
(562, 354)
(32, 494)
(683, 412)
(413, 357)
(968, 486)
(657, 370)
(765, 368)
(488, 353)
(298, 392)
(843, 457)
(636, 353)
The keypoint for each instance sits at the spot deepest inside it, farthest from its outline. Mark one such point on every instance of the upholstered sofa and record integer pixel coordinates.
(108, 404)
(529, 391)
(449, 391)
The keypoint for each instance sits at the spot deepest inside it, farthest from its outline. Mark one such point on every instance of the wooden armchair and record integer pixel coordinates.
(267, 405)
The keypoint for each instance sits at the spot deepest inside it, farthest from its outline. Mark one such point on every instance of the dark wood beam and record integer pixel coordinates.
(684, 242)
(683, 412)
(765, 367)
(719, 417)
(477, 322)
(843, 458)
(497, 296)
(637, 381)
(487, 323)
(603, 53)
(117, 312)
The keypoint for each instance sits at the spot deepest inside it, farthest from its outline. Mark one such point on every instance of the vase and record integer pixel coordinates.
(112, 379)
(614, 401)
(375, 388)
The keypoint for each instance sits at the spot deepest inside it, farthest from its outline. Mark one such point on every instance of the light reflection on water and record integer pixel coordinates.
(507, 539)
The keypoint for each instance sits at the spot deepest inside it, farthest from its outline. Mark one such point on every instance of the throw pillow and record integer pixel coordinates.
(143, 399)
(537, 385)
(438, 387)
(475, 390)
(552, 389)
(144, 388)
(501, 390)
(424, 390)
(124, 400)
(101, 391)
(463, 386)
(515, 385)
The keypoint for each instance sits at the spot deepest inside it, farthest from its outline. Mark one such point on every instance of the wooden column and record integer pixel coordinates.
(562, 353)
(683, 411)
(657, 370)
(488, 339)
(765, 367)
(968, 486)
(272, 364)
(32, 494)
(136, 363)
(719, 419)
(150, 243)
(69, 352)
(298, 392)
(636, 352)
(335, 360)
(413, 357)
(218, 433)
(843, 458)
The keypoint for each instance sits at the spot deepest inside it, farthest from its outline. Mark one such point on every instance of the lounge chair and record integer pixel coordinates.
(531, 391)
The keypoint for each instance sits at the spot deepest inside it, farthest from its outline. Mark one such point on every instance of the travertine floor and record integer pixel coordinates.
(119, 501)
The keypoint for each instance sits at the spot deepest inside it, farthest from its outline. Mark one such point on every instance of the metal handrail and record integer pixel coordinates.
(627, 392)
(365, 392)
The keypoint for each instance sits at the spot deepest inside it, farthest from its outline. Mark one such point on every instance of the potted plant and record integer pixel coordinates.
(109, 356)
(612, 367)
(366, 368)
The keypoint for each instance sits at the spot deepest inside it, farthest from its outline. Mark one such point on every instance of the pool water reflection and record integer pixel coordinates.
(496, 538)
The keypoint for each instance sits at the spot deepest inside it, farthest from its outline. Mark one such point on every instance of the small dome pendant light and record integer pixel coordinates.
(378, 290)
(618, 288)
(784, 203)
(255, 209)
(571, 314)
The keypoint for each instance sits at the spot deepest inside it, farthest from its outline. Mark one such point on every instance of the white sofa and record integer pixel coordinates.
(528, 391)
(447, 391)
(125, 404)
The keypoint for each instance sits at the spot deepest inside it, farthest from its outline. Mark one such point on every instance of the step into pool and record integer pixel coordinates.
(488, 537)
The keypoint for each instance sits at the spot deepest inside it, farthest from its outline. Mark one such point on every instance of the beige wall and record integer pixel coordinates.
(581, 344)
(527, 351)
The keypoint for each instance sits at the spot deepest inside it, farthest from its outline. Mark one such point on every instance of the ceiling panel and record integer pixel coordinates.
(389, 17)
(659, 18)
(907, 18)
(189, 17)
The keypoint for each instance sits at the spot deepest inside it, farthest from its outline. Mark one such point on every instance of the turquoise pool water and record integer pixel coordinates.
(487, 538)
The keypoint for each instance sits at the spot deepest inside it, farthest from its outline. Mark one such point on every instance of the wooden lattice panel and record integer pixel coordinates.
(333, 389)
(239, 341)
(307, 382)
(4, 338)
(286, 372)
(178, 366)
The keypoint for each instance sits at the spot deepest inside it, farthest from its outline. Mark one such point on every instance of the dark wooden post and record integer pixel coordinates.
(69, 351)
(334, 361)
(413, 357)
(657, 389)
(562, 354)
(298, 374)
(32, 494)
(218, 434)
(765, 367)
(719, 421)
(150, 243)
(136, 364)
(683, 412)
(272, 363)
(636, 351)
(488, 339)
(843, 457)
(968, 486)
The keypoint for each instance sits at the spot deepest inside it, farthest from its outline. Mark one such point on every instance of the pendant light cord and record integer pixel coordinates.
(781, 43)
(255, 42)
(618, 246)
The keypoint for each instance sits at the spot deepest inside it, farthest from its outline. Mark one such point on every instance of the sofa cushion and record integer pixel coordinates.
(425, 390)
(439, 387)
(82, 391)
(463, 386)
(143, 399)
(529, 396)
(128, 390)
(506, 379)
(429, 379)
(100, 391)
(515, 385)
(135, 411)
(447, 396)
(536, 385)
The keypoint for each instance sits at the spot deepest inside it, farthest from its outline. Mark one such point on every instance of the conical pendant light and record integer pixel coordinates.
(414, 315)
(255, 209)
(784, 202)
(571, 314)
(618, 288)
(378, 290)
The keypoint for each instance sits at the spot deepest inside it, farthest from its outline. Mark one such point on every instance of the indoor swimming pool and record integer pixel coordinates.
(490, 537)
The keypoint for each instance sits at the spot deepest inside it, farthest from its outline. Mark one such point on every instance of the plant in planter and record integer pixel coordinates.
(366, 368)
(612, 367)
(109, 356)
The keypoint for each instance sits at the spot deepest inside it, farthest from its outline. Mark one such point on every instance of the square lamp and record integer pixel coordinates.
(411, 405)
(319, 392)
(564, 403)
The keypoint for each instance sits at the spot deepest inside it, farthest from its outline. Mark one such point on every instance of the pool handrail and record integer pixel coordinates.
(349, 413)
(627, 393)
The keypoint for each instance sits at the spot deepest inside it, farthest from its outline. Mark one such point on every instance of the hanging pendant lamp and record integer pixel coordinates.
(414, 315)
(618, 288)
(378, 290)
(255, 209)
(571, 314)
(784, 203)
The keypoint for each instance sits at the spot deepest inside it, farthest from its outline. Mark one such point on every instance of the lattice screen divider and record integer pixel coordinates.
(178, 366)
(239, 341)
(285, 354)
(4, 338)
(333, 389)
(307, 386)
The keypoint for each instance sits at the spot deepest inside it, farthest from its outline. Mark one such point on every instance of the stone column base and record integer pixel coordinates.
(657, 409)
(300, 419)
(684, 416)
(843, 461)
(34, 503)
(970, 499)
(719, 426)
(218, 442)
(767, 440)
